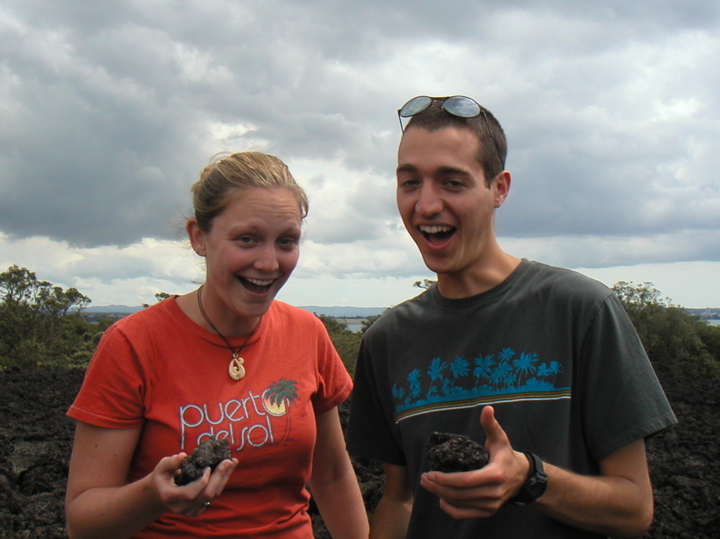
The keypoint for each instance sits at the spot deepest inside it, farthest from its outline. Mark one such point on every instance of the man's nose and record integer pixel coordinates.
(429, 201)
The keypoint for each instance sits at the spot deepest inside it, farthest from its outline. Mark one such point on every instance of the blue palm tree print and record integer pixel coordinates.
(493, 377)
(437, 366)
(459, 369)
(483, 368)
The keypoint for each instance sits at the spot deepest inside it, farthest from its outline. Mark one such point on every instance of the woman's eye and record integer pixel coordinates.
(288, 242)
(245, 240)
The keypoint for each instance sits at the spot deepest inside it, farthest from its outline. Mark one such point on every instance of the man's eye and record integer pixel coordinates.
(408, 182)
(453, 183)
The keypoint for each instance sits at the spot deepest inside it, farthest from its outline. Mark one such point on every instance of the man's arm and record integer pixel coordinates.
(392, 515)
(618, 502)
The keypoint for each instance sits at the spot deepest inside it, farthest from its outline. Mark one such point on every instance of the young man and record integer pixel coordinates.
(540, 364)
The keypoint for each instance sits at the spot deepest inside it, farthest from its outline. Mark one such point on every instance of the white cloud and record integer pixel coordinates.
(108, 112)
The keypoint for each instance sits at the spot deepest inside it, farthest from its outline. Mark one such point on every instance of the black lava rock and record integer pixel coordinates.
(209, 453)
(448, 452)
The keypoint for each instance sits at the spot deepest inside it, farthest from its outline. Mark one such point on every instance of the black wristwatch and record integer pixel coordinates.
(535, 484)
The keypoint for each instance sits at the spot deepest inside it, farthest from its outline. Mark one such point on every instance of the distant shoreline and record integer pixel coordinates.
(335, 311)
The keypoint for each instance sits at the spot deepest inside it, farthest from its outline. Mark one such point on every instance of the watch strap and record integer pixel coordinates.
(535, 484)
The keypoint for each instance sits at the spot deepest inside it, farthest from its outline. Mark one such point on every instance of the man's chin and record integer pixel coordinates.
(435, 265)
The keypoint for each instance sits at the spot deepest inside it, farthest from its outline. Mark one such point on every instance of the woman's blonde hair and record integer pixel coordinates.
(235, 172)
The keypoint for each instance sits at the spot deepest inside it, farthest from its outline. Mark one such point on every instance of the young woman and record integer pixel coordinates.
(224, 361)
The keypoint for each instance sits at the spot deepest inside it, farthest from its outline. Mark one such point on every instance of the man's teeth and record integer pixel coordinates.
(435, 229)
(259, 282)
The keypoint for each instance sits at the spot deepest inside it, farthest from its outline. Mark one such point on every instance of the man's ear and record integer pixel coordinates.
(501, 186)
(196, 236)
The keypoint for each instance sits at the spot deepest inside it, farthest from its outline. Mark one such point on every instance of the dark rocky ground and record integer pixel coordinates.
(36, 438)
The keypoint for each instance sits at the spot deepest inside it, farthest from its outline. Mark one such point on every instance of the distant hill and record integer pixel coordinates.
(346, 311)
(327, 311)
(113, 309)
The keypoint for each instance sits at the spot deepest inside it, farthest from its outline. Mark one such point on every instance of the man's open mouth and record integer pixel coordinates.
(258, 286)
(437, 233)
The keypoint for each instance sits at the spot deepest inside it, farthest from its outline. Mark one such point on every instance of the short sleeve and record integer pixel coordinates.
(112, 392)
(334, 381)
(623, 400)
(370, 434)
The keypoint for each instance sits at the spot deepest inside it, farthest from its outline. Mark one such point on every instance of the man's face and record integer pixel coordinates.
(444, 200)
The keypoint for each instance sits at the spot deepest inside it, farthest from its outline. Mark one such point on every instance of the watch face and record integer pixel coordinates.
(537, 489)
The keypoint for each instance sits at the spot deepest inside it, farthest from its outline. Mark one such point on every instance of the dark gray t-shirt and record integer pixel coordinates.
(550, 349)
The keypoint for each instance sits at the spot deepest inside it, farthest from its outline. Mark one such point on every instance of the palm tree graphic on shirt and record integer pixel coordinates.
(506, 372)
(278, 398)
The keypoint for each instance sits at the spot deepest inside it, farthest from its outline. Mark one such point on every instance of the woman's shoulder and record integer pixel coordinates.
(148, 318)
(284, 312)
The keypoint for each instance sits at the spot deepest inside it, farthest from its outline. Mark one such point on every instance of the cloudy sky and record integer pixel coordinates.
(109, 110)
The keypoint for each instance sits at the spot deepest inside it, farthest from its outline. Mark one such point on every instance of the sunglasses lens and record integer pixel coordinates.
(462, 106)
(415, 105)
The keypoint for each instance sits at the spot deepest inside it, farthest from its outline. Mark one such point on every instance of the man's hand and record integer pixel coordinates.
(480, 493)
(618, 502)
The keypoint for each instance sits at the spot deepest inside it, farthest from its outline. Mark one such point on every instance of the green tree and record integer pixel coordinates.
(710, 336)
(41, 324)
(346, 342)
(424, 283)
(674, 339)
(160, 296)
(369, 321)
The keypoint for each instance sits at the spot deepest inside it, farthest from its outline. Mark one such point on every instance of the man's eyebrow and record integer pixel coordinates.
(405, 168)
(441, 171)
(444, 171)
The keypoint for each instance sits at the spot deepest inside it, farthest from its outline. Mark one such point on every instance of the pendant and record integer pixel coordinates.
(236, 369)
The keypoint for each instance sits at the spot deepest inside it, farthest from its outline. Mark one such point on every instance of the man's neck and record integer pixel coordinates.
(481, 279)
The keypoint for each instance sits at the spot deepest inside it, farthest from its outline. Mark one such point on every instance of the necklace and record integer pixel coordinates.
(236, 368)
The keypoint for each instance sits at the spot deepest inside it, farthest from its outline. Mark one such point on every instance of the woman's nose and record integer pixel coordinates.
(267, 259)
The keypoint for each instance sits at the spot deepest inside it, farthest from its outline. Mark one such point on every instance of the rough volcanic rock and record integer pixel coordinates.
(36, 439)
(208, 454)
(447, 452)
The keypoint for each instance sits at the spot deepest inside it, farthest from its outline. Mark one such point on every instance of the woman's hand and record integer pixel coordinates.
(194, 498)
(100, 502)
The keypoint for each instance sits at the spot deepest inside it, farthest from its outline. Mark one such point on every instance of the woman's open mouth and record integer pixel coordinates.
(257, 286)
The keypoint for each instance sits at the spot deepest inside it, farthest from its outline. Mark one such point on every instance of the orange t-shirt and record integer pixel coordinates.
(159, 370)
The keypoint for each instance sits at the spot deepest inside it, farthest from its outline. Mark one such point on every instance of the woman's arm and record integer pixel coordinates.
(100, 502)
(333, 483)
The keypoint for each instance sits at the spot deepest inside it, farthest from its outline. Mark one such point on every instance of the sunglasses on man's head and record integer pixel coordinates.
(457, 105)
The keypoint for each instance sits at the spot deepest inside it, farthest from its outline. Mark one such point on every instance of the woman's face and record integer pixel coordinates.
(250, 251)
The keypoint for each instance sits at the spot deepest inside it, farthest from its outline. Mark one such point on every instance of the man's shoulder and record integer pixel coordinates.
(565, 281)
(401, 313)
